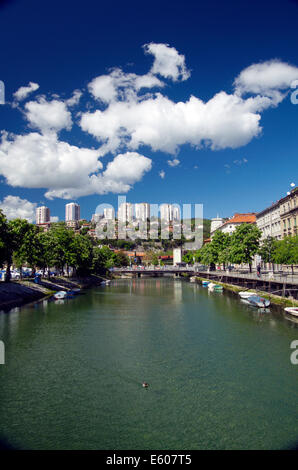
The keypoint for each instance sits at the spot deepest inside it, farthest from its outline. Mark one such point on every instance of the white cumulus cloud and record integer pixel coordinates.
(48, 115)
(174, 162)
(121, 86)
(24, 91)
(167, 61)
(42, 161)
(76, 96)
(225, 121)
(130, 113)
(121, 173)
(266, 78)
(14, 208)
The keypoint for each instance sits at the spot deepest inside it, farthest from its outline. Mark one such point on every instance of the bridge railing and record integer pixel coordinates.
(154, 268)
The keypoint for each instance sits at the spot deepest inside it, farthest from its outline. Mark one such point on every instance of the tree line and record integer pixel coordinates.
(25, 244)
(242, 245)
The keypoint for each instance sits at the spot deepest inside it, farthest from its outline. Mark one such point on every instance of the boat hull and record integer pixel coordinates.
(245, 295)
(60, 295)
(259, 302)
(292, 311)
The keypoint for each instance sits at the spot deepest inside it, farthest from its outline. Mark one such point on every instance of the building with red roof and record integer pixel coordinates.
(239, 218)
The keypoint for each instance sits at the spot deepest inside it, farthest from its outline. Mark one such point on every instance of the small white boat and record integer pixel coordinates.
(217, 287)
(245, 294)
(192, 279)
(292, 311)
(60, 295)
(257, 301)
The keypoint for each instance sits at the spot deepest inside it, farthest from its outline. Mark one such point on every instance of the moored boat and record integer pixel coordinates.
(216, 287)
(292, 311)
(245, 294)
(62, 294)
(257, 301)
(205, 283)
(192, 279)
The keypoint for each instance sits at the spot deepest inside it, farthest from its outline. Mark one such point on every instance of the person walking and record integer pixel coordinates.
(259, 270)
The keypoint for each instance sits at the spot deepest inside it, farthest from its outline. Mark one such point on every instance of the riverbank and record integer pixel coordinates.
(21, 292)
(15, 294)
(274, 299)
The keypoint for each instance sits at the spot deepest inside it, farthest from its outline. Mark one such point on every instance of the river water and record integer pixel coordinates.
(219, 371)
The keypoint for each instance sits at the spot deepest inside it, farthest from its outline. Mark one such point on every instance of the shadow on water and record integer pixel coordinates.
(5, 445)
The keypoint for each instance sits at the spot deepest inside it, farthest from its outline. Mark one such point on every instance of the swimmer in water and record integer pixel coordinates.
(145, 385)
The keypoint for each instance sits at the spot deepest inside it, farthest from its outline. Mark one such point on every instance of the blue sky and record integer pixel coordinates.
(231, 155)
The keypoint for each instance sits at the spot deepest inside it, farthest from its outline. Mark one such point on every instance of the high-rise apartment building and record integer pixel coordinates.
(166, 212)
(109, 213)
(125, 212)
(176, 212)
(72, 212)
(42, 215)
(142, 211)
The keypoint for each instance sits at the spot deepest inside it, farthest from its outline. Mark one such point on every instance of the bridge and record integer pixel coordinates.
(138, 271)
(282, 283)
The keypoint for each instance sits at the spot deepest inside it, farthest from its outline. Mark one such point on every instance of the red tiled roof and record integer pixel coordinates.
(249, 218)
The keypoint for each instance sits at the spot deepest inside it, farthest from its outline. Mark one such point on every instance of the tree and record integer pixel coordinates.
(18, 246)
(267, 249)
(4, 238)
(45, 252)
(59, 247)
(151, 257)
(27, 245)
(207, 255)
(244, 244)
(80, 254)
(188, 257)
(120, 259)
(221, 247)
(286, 251)
(101, 260)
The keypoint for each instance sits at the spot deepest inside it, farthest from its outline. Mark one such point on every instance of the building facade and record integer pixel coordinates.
(42, 215)
(72, 212)
(269, 222)
(125, 212)
(230, 225)
(289, 213)
(216, 222)
(142, 211)
(109, 213)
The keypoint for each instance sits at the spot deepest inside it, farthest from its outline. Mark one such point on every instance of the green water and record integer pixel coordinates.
(219, 372)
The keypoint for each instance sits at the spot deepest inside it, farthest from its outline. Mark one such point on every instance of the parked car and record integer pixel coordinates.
(15, 275)
(26, 273)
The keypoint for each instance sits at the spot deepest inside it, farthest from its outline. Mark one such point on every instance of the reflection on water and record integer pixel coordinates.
(219, 371)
